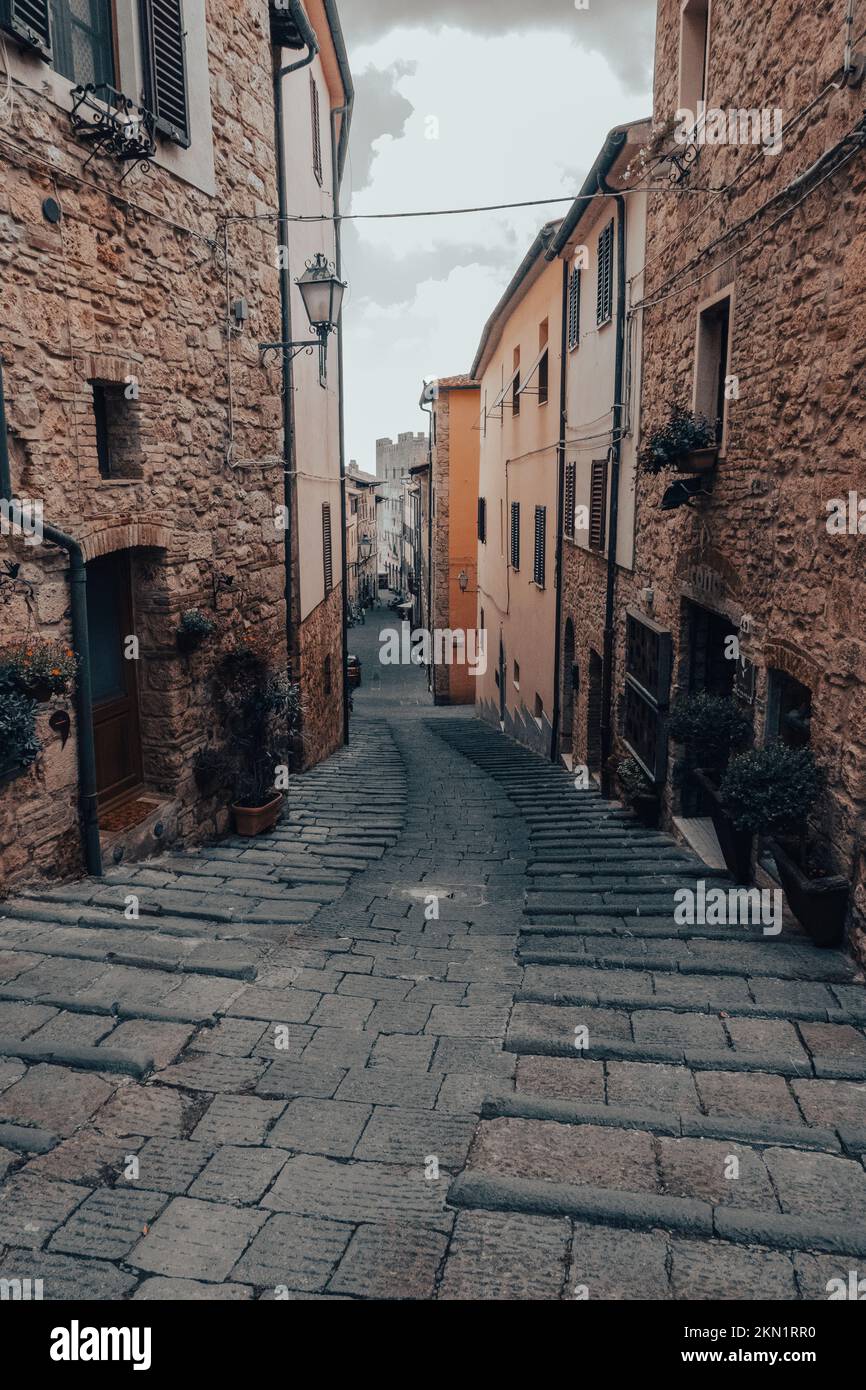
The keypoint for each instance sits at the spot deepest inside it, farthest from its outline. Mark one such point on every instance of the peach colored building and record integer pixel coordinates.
(519, 368)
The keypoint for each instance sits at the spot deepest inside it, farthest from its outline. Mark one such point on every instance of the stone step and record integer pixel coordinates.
(137, 1063)
(773, 959)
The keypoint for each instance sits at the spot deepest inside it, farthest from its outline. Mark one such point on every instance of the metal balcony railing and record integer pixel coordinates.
(112, 123)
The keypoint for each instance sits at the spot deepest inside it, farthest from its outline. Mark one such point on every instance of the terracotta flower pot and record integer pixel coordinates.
(254, 820)
(698, 461)
(819, 904)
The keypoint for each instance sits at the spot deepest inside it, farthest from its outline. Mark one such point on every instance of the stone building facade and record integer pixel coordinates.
(752, 314)
(394, 461)
(456, 406)
(141, 415)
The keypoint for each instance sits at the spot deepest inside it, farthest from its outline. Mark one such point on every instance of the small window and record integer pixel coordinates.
(327, 551)
(517, 674)
(317, 129)
(538, 568)
(538, 709)
(515, 535)
(711, 364)
(482, 519)
(568, 499)
(353, 502)
(604, 290)
(598, 504)
(574, 309)
(694, 47)
(115, 417)
(515, 384)
(81, 40)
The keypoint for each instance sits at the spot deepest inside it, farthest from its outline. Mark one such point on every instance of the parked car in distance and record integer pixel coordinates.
(353, 667)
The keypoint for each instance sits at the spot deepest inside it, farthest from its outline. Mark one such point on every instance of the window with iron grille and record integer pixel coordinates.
(164, 56)
(327, 551)
(574, 309)
(515, 535)
(81, 40)
(538, 567)
(317, 129)
(568, 499)
(604, 292)
(597, 504)
(482, 519)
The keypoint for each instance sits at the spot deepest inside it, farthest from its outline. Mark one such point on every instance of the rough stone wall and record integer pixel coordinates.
(132, 283)
(321, 639)
(795, 436)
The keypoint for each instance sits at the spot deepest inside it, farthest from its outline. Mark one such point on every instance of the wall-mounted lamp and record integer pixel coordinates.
(322, 295)
(463, 581)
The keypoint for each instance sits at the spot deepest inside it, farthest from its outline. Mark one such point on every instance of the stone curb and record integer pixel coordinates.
(621, 1049)
(671, 1123)
(136, 1064)
(736, 1008)
(25, 1140)
(794, 970)
(122, 1012)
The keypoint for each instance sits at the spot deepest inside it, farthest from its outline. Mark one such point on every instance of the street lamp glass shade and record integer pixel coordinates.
(322, 293)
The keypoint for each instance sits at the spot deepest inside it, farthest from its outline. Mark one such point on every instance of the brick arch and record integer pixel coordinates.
(141, 533)
(793, 661)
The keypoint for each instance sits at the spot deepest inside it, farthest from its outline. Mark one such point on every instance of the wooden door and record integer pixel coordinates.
(113, 678)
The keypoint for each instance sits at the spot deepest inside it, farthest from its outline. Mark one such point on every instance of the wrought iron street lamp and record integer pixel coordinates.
(322, 294)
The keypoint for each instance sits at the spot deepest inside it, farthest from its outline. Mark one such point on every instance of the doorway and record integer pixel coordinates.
(593, 713)
(501, 682)
(569, 689)
(113, 679)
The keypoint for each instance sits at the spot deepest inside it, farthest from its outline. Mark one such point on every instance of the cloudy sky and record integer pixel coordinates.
(459, 103)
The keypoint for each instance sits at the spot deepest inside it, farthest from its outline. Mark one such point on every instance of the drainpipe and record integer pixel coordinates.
(560, 524)
(615, 456)
(343, 112)
(83, 697)
(311, 41)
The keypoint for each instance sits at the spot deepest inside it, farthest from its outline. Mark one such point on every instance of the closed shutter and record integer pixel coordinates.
(568, 501)
(574, 310)
(163, 47)
(327, 552)
(317, 128)
(597, 504)
(482, 519)
(515, 535)
(538, 568)
(604, 293)
(29, 22)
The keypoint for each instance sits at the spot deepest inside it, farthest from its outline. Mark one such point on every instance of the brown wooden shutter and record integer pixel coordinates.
(597, 504)
(604, 293)
(327, 551)
(568, 500)
(515, 535)
(163, 48)
(574, 309)
(317, 128)
(482, 519)
(540, 545)
(29, 22)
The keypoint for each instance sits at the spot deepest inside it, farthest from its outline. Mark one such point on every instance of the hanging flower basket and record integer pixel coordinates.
(41, 668)
(686, 443)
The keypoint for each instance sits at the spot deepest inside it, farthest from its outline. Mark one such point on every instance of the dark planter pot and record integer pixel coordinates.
(255, 820)
(188, 642)
(819, 904)
(697, 461)
(647, 808)
(40, 691)
(736, 844)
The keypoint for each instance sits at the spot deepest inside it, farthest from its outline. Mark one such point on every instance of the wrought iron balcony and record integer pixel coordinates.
(112, 123)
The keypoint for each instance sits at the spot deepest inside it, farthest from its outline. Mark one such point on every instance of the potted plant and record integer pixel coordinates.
(638, 792)
(711, 726)
(771, 791)
(41, 668)
(19, 745)
(260, 711)
(687, 443)
(193, 629)
(212, 769)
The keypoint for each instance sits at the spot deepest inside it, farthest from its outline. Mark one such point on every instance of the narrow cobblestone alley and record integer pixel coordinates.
(340, 1060)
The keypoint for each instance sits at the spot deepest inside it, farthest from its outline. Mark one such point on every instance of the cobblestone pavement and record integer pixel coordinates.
(340, 1062)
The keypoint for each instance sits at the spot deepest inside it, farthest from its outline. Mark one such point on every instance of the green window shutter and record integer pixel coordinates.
(164, 51)
(29, 22)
